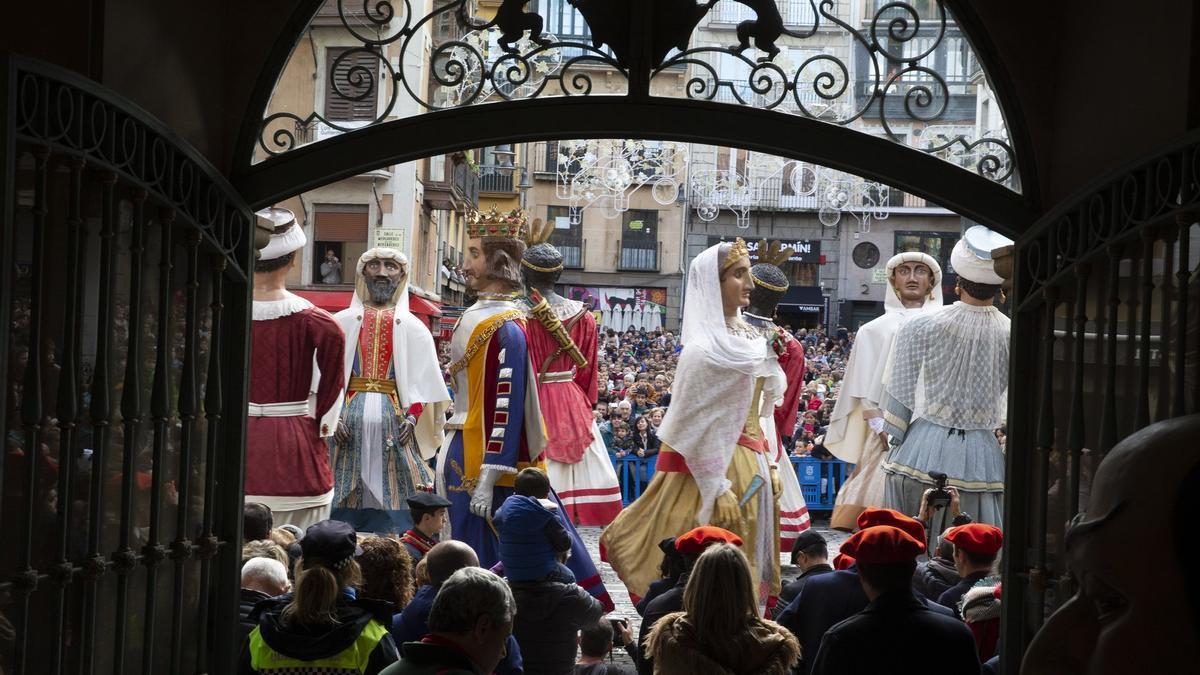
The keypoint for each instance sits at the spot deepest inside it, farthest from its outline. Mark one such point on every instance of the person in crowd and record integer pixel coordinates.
(641, 400)
(881, 638)
(976, 546)
(321, 624)
(595, 645)
(936, 575)
(331, 268)
(622, 441)
(257, 522)
(382, 443)
(672, 567)
(549, 614)
(262, 579)
(1131, 613)
(811, 554)
(645, 439)
(720, 629)
(948, 378)
(412, 623)
(688, 546)
(264, 548)
(532, 538)
(296, 352)
(282, 536)
(826, 599)
(387, 571)
(656, 418)
(430, 513)
(981, 613)
(470, 622)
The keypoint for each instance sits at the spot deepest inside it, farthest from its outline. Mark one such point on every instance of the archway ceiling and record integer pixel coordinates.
(893, 40)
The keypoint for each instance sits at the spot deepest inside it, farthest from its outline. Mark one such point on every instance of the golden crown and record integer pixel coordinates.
(737, 253)
(775, 254)
(495, 223)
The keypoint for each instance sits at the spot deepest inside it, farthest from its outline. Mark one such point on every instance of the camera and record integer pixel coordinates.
(939, 498)
(618, 625)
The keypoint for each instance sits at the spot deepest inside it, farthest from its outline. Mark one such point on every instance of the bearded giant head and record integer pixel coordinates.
(382, 276)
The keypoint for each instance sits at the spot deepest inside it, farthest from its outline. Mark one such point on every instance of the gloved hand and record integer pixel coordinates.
(776, 484)
(406, 425)
(726, 512)
(876, 424)
(481, 498)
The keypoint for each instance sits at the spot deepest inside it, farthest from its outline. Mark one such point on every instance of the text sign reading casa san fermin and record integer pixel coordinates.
(803, 250)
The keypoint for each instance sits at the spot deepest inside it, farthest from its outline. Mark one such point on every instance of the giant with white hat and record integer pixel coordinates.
(287, 236)
(972, 255)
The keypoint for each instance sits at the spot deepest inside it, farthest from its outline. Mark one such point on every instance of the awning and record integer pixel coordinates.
(336, 301)
(803, 299)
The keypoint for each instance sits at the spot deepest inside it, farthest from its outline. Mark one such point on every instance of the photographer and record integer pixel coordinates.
(941, 502)
(597, 641)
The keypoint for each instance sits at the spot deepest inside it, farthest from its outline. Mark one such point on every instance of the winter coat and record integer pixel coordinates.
(355, 618)
(934, 578)
(952, 596)
(763, 648)
(412, 624)
(531, 535)
(246, 602)
(981, 611)
(792, 588)
(549, 615)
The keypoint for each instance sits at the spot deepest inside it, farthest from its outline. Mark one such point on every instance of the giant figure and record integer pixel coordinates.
(497, 425)
(770, 285)
(949, 372)
(380, 451)
(295, 387)
(713, 466)
(562, 347)
(855, 434)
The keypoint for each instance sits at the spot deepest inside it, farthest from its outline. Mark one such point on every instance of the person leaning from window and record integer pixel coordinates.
(331, 268)
(321, 626)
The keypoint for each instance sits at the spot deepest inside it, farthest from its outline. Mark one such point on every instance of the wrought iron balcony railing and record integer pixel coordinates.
(639, 257)
(496, 178)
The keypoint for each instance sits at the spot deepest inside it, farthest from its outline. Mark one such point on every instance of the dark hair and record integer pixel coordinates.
(762, 299)
(545, 256)
(977, 560)
(816, 550)
(274, 264)
(503, 259)
(977, 290)
(889, 577)
(257, 521)
(596, 640)
(387, 570)
(532, 482)
(419, 512)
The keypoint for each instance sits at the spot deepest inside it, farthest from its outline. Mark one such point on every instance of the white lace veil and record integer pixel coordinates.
(704, 319)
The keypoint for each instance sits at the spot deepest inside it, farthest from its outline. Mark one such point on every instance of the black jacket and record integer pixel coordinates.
(934, 577)
(246, 602)
(669, 601)
(950, 597)
(309, 643)
(549, 615)
(792, 588)
(421, 658)
(904, 636)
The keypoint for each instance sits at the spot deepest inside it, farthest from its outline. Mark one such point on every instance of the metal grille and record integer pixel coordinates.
(124, 259)
(1106, 341)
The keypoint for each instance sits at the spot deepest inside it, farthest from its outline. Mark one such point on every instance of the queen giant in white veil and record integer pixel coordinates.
(713, 467)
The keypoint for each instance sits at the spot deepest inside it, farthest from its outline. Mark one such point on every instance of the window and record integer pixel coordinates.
(351, 84)
(496, 169)
(639, 241)
(340, 229)
(565, 158)
(567, 236)
(938, 245)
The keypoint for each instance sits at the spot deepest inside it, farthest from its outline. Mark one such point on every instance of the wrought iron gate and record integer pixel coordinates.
(124, 298)
(1106, 340)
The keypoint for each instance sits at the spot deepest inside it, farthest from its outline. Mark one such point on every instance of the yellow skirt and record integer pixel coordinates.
(668, 508)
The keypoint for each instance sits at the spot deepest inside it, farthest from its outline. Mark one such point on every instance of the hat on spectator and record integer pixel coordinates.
(331, 542)
(841, 561)
(976, 538)
(873, 517)
(700, 538)
(883, 545)
(805, 539)
(667, 546)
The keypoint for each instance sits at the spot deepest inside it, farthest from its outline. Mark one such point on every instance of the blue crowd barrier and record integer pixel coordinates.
(820, 479)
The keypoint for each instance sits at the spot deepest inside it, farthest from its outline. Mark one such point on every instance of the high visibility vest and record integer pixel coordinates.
(350, 661)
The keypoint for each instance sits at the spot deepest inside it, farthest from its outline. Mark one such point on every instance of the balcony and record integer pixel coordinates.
(573, 254)
(496, 178)
(454, 188)
(639, 257)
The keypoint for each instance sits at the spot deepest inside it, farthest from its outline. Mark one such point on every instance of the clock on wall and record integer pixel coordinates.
(865, 255)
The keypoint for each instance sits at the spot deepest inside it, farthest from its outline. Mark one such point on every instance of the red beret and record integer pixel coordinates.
(695, 541)
(976, 538)
(883, 545)
(873, 517)
(842, 561)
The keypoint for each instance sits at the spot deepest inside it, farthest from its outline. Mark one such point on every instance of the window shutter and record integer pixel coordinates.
(347, 223)
(343, 88)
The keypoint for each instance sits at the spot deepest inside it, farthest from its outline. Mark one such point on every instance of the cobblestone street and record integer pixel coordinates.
(624, 606)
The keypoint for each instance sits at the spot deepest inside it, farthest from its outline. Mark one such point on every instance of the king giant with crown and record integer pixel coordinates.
(497, 427)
